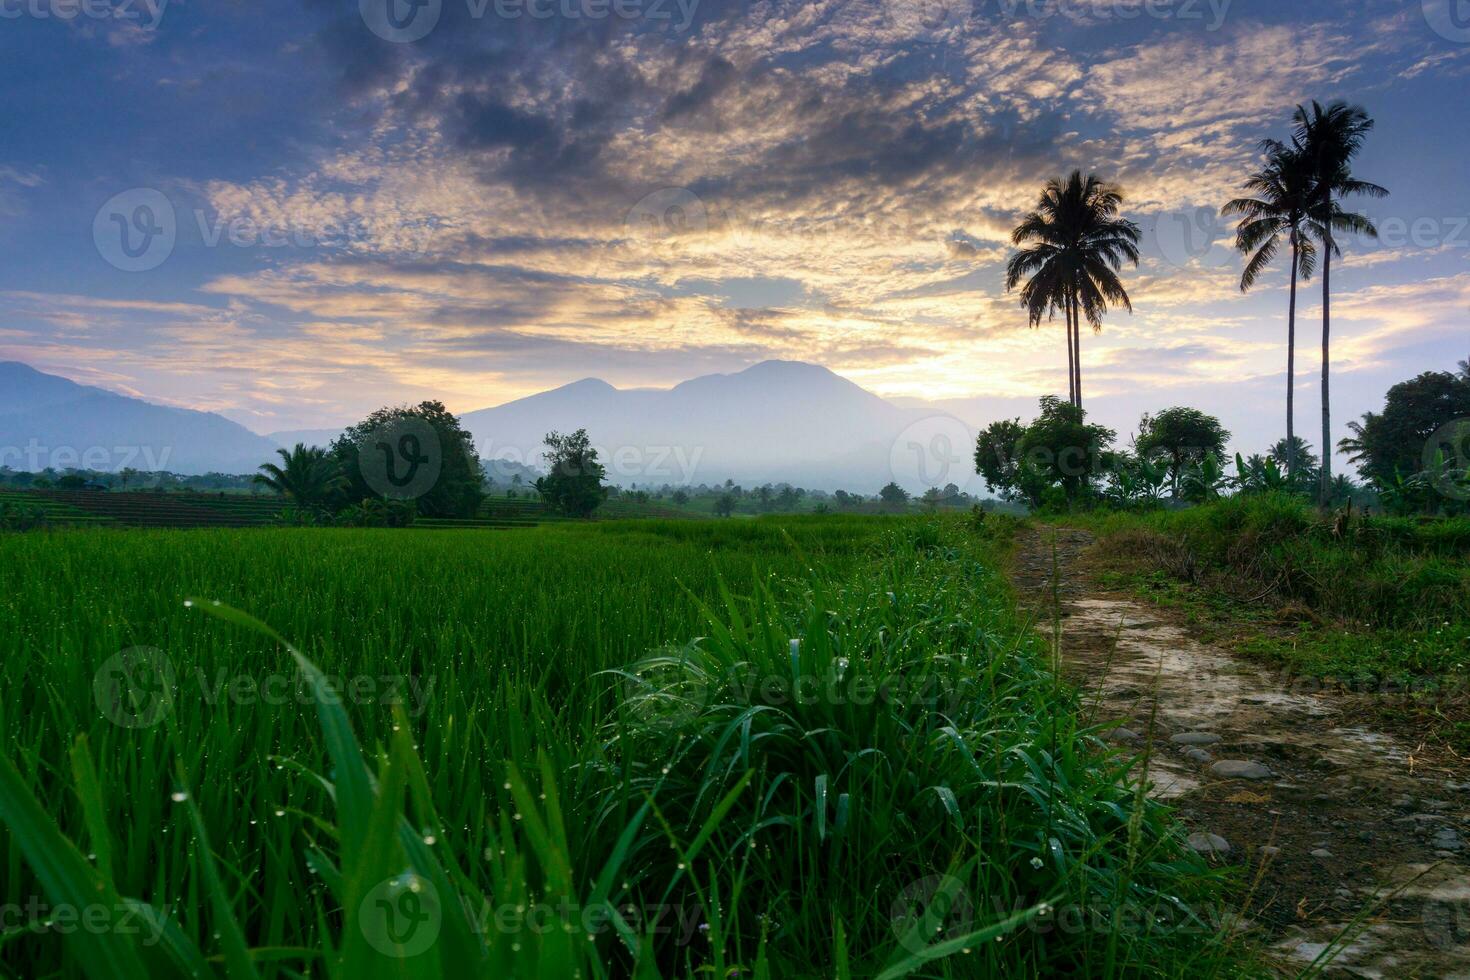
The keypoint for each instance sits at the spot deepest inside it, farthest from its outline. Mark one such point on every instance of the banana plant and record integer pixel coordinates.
(1153, 477)
(1258, 475)
(1205, 480)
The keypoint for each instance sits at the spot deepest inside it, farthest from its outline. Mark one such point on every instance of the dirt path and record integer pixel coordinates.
(1333, 813)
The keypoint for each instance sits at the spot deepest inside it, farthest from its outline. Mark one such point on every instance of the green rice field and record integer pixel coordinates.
(796, 747)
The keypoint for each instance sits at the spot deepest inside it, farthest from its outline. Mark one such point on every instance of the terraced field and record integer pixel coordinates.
(142, 508)
(149, 509)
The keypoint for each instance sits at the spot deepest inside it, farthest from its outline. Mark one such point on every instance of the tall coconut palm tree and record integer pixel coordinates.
(1329, 138)
(1046, 291)
(1075, 243)
(1283, 189)
(309, 477)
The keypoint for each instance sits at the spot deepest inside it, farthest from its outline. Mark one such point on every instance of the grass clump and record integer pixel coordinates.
(891, 761)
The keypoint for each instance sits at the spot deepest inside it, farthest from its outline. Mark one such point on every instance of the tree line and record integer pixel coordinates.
(337, 484)
(1414, 456)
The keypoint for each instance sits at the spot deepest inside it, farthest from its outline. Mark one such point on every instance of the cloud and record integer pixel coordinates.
(511, 203)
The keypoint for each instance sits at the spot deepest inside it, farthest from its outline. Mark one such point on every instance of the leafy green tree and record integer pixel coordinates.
(308, 475)
(1060, 451)
(1075, 243)
(573, 483)
(1181, 437)
(1330, 137)
(459, 487)
(725, 504)
(1390, 444)
(997, 458)
(1283, 190)
(680, 498)
(893, 495)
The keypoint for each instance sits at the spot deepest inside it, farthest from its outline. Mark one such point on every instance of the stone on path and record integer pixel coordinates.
(1208, 843)
(1321, 852)
(1447, 839)
(1240, 769)
(1198, 755)
(1194, 738)
(1122, 735)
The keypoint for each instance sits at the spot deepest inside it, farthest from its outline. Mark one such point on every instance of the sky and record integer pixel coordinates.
(293, 214)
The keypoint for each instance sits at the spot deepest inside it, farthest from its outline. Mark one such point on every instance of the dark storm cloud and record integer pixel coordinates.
(536, 104)
(718, 75)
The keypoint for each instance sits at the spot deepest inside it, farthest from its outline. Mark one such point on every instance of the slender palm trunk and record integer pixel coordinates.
(1291, 364)
(1077, 346)
(1326, 399)
(1072, 370)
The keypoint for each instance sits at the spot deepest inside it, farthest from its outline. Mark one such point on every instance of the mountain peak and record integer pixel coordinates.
(21, 368)
(776, 364)
(588, 384)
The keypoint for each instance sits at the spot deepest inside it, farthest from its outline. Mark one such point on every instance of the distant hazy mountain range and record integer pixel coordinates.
(50, 421)
(776, 421)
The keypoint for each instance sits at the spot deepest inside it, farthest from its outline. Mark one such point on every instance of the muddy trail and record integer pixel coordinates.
(1326, 815)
